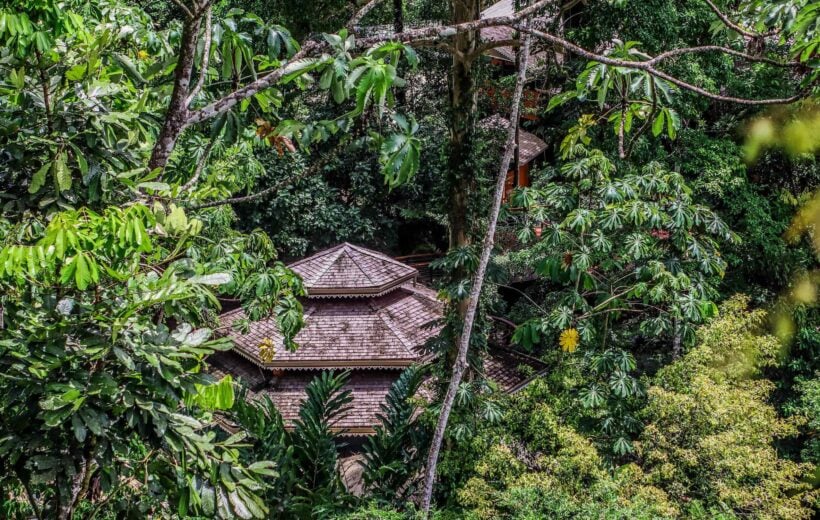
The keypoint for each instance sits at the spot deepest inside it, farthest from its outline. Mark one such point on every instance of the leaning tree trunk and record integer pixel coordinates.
(460, 365)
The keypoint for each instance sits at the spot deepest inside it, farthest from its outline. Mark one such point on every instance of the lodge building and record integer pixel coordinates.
(364, 312)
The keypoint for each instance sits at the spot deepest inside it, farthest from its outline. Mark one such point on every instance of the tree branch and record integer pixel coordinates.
(447, 31)
(206, 56)
(735, 27)
(484, 47)
(228, 101)
(45, 85)
(307, 172)
(425, 36)
(35, 507)
(460, 365)
(361, 13)
(718, 48)
(184, 8)
(177, 116)
(200, 167)
(647, 66)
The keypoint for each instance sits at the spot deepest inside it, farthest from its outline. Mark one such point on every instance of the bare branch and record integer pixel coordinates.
(428, 35)
(460, 365)
(184, 8)
(425, 34)
(361, 13)
(206, 56)
(447, 31)
(735, 27)
(725, 50)
(484, 47)
(200, 167)
(647, 66)
(230, 100)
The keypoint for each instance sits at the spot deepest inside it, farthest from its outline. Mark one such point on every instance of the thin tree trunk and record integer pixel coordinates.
(677, 340)
(398, 27)
(398, 16)
(46, 96)
(460, 365)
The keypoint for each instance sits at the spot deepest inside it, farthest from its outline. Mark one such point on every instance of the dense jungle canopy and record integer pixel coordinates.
(623, 196)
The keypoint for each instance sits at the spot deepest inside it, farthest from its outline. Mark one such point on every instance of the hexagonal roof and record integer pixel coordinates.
(348, 270)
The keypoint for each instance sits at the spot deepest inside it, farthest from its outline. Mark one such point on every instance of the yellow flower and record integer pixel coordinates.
(266, 350)
(143, 55)
(569, 340)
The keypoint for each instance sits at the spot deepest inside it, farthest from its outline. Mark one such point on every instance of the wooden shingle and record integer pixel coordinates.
(388, 331)
(347, 270)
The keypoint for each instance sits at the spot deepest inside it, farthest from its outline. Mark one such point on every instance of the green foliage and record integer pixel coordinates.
(308, 483)
(536, 465)
(625, 95)
(808, 405)
(710, 433)
(622, 244)
(400, 153)
(77, 119)
(91, 368)
(623, 255)
(797, 22)
(392, 457)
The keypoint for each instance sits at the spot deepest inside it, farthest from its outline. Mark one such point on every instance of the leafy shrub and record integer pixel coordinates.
(710, 434)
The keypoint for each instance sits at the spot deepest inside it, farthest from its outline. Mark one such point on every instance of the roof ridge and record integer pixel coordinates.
(377, 254)
(329, 264)
(362, 269)
(317, 254)
(404, 342)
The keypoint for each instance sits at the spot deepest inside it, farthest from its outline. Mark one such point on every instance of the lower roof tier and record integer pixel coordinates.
(510, 370)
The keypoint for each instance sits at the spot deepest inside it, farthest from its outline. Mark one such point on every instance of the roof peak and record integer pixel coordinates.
(350, 270)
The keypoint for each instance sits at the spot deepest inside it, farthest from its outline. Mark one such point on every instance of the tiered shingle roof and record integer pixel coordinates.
(363, 311)
(530, 145)
(368, 390)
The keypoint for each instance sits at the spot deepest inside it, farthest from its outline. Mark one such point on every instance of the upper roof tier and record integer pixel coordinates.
(348, 270)
(387, 331)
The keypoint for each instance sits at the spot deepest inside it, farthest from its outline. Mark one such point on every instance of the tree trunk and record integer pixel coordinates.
(461, 180)
(176, 119)
(398, 27)
(460, 365)
(677, 340)
(462, 122)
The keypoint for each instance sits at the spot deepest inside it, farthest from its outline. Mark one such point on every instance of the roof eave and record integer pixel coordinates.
(312, 364)
(371, 292)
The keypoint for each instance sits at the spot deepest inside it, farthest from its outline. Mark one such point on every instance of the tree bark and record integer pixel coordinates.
(398, 27)
(460, 175)
(460, 365)
(462, 122)
(177, 117)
